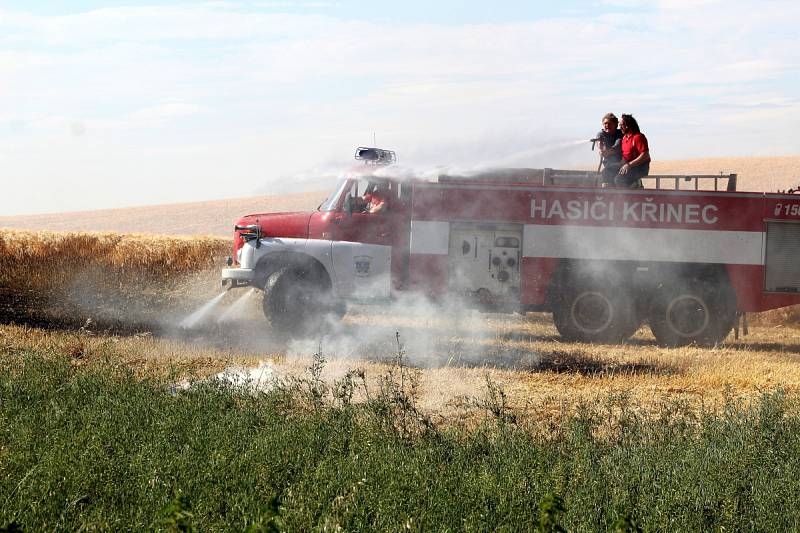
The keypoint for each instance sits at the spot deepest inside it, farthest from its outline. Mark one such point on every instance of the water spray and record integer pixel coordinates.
(200, 314)
(232, 312)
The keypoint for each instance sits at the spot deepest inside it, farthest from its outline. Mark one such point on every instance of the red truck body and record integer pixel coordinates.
(603, 260)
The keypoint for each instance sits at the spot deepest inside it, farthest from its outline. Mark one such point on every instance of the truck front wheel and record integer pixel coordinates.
(295, 302)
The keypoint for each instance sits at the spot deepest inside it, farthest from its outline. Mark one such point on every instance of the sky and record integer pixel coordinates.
(121, 103)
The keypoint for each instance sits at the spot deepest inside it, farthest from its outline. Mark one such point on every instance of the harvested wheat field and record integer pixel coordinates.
(763, 174)
(215, 217)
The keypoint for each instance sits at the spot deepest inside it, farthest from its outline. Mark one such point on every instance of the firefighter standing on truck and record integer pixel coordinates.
(610, 138)
(635, 153)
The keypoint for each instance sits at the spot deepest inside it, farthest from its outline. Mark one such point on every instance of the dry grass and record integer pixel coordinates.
(146, 355)
(217, 217)
(784, 315)
(541, 373)
(76, 276)
(54, 276)
(543, 377)
(193, 218)
(23, 249)
(762, 174)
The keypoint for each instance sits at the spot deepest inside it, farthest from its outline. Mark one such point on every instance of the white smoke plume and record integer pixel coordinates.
(431, 334)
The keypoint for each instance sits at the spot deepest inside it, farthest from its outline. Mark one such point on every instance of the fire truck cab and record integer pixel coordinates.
(603, 261)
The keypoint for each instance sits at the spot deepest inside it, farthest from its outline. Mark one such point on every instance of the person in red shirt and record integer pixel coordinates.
(635, 154)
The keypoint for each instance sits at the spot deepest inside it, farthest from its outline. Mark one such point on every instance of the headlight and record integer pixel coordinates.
(251, 232)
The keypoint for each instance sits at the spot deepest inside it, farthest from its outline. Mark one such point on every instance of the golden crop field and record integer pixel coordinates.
(101, 296)
(214, 217)
(51, 274)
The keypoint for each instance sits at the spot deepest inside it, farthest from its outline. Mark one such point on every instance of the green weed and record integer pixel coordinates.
(93, 447)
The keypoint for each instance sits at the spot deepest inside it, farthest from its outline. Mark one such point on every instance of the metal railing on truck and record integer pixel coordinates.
(550, 176)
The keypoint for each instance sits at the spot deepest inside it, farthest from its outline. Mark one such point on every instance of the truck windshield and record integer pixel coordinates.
(333, 199)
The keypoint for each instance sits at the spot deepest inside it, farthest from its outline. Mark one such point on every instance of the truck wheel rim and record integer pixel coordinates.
(687, 315)
(592, 312)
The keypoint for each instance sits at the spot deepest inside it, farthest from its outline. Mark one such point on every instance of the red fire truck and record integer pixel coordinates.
(603, 261)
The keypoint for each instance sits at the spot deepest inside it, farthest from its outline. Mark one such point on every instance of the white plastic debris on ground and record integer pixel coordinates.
(260, 378)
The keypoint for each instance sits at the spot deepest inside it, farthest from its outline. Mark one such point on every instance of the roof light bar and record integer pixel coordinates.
(375, 156)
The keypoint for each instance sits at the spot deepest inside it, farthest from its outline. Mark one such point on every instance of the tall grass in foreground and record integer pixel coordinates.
(94, 448)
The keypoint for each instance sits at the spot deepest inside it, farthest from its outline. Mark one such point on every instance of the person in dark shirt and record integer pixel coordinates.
(635, 154)
(610, 138)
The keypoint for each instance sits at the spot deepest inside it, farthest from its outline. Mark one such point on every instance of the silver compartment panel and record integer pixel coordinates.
(782, 257)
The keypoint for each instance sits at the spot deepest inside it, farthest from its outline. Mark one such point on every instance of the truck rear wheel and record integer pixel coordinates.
(693, 312)
(594, 311)
(295, 302)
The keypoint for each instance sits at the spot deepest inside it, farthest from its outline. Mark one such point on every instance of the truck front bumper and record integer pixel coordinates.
(238, 277)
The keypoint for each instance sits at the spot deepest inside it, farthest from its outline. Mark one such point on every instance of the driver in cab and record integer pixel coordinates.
(376, 200)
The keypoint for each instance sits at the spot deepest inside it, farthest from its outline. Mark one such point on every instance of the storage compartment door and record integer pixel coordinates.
(783, 257)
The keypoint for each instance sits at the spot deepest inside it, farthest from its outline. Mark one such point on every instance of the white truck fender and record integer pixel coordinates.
(356, 270)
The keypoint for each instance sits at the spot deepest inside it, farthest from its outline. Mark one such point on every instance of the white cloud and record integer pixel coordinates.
(662, 4)
(210, 90)
(165, 111)
(687, 4)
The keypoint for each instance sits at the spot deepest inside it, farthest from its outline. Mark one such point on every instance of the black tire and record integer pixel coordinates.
(296, 302)
(596, 310)
(693, 312)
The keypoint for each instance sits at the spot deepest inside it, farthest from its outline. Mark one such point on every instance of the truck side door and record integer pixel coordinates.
(353, 223)
(390, 227)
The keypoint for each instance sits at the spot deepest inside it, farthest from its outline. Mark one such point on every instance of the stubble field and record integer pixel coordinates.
(217, 217)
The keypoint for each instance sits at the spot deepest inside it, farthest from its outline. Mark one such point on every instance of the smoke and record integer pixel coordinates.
(259, 378)
(454, 158)
(188, 308)
(426, 334)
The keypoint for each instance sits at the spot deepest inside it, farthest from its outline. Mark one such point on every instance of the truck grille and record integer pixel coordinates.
(783, 257)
